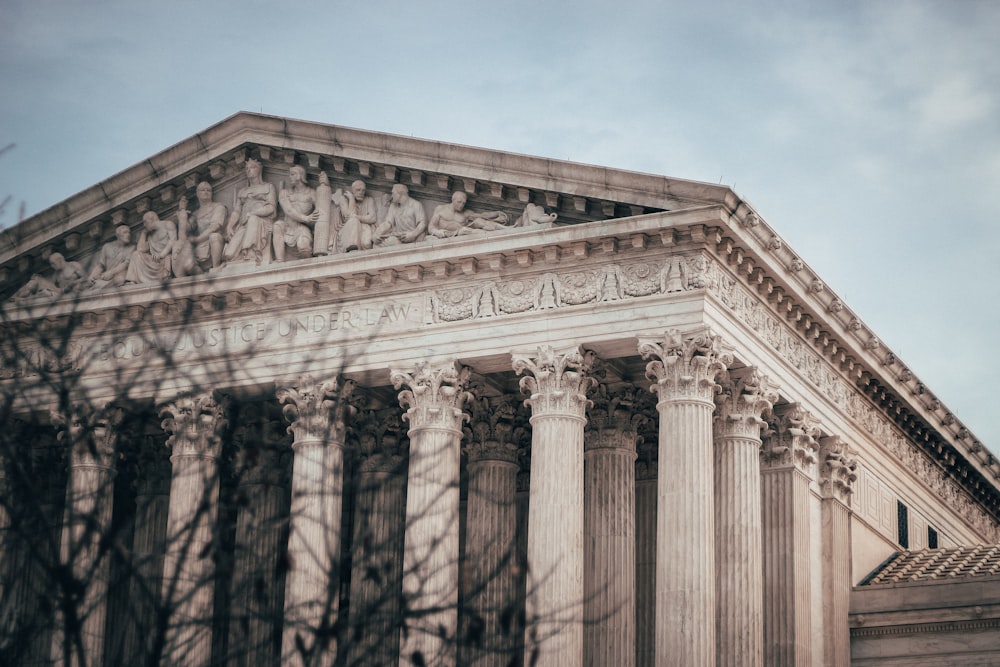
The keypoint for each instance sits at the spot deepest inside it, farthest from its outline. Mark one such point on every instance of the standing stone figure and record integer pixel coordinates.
(298, 204)
(405, 222)
(453, 220)
(113, 260)
(252, 219)
(67, 277)
(360, 215)
(199, 235)
(150, 263)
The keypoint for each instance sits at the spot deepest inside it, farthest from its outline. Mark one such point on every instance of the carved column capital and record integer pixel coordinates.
(745, 397)
(791, 440)
(318, 410)
(837, 467)
(435, 396)
(558, 382)
(91, 433)
(261, 445)
(196, 424)
(380, 442)
(614, 418)
(493, 433)
(685, 364)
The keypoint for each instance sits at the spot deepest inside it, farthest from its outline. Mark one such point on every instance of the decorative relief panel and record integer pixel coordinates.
(611, 282)
(747, 307)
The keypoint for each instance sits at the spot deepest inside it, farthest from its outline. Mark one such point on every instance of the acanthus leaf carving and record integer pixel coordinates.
(746, 397)
(685, 365)
(558, 381)
(435, 395)
(317, 410)
(838, 468)
(791, 439)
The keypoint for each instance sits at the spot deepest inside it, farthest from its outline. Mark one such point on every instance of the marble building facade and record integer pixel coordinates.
(480, 407)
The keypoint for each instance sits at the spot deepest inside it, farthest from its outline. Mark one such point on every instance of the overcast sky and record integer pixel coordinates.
(866, 133)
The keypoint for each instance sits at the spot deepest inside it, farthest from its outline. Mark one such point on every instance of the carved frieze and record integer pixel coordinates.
(789, 345)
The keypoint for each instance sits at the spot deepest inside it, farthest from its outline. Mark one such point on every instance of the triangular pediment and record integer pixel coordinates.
(492, 181)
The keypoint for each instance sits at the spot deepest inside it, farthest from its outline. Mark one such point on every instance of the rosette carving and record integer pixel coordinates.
(196, 424)
(837, 469)
(745, 397)
(792, 439)
(558, 381)
(685, 365)
(318, 410)
(435, 396)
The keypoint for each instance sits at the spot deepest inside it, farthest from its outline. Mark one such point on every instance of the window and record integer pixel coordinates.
(902, 525)
(932, 540)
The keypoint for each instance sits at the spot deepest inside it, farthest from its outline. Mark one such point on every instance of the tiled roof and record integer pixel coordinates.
(938, 564)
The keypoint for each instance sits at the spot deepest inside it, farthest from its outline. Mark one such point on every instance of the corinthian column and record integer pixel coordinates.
(609, 609)
(261, 471)
(558, 385)
(745, 397)
(683, 372)
(836, 481)
(92, 437)
(434, 399)
(788, 462)
(491, 529)
(197, 424)
(377, 547)
(318, 412)
(645, 552)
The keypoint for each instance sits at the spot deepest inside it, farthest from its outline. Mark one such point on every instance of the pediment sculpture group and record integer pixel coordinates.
(266, 225)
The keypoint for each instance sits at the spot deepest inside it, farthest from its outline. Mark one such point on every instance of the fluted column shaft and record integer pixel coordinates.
(318, 412)
(188, 568)
(431, 546)
(491, 532)
(148, 547)
(555, 594)
(645, 567)
(684, 370)
(376, 575)
(787, 464)
(256, 594)
(744, 399)
(92, 439)
(837, 477)
(609, 547)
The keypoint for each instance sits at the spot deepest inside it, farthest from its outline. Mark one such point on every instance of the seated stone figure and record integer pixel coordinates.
(298, 206)
(359, 215)
(534, 215)
(112, 261)
(150, 263)
(452, 219)
(199, 235)
(66, 277)
(252, 220)
(405, 221)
